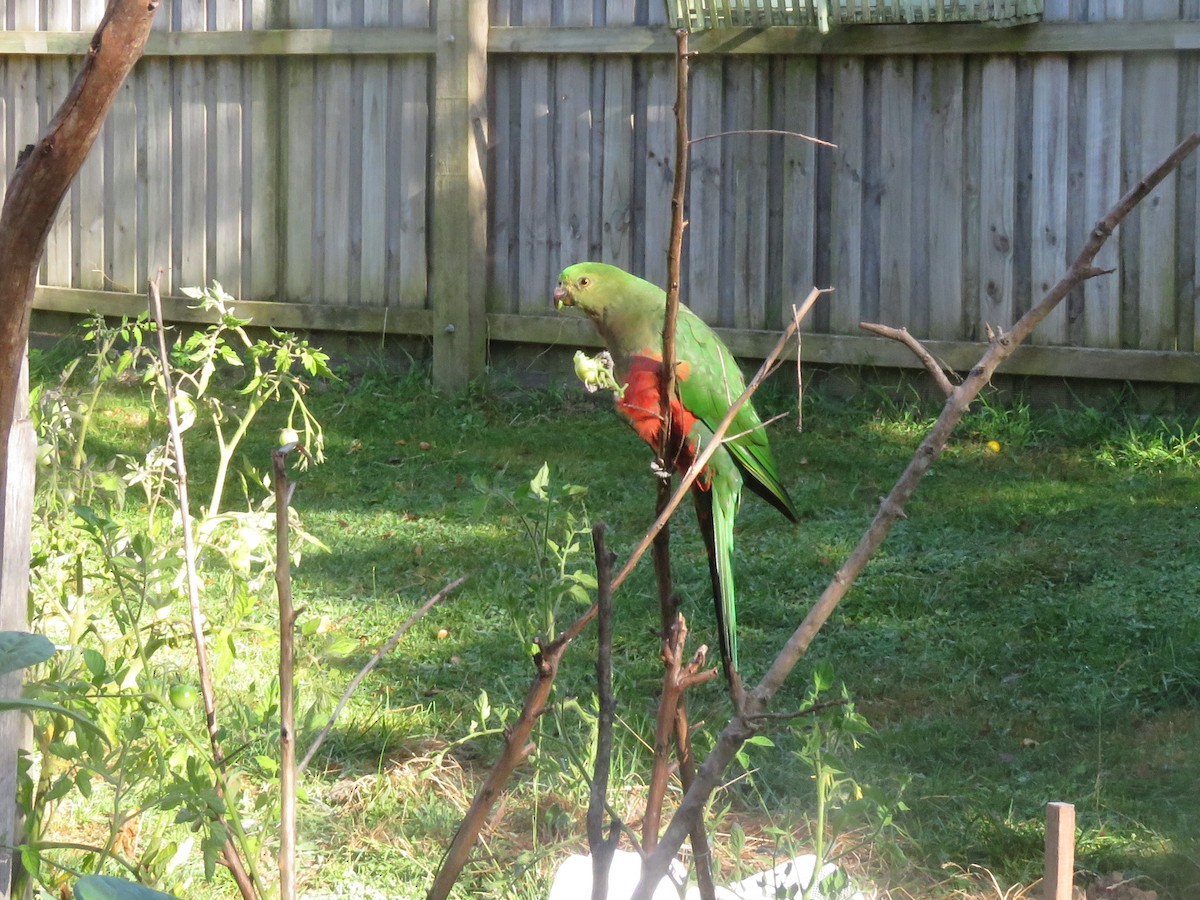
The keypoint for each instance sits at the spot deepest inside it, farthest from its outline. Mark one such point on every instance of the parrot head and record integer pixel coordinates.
(588, 287)
(626, 310)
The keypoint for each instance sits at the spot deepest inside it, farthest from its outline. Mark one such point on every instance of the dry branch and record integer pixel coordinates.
(287, 679)
(602, 846)
(672, 706)
(768, 131)
(927, 359)
(674, 248)
(516, 749)
(743, 725)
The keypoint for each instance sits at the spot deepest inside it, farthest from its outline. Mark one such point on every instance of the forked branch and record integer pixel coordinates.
(927, 359)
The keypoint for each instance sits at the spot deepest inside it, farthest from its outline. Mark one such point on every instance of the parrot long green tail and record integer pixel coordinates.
(715, 510)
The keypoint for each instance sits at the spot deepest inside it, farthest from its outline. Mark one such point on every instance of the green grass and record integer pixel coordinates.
(1029, 633)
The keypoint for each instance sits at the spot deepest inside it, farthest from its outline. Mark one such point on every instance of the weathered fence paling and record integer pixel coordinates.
(428, 166)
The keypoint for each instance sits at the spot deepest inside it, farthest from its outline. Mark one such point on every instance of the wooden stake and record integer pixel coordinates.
(1060, 851)
(287, 679)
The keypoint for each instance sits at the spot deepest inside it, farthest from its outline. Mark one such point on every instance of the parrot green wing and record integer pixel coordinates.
(713, 381)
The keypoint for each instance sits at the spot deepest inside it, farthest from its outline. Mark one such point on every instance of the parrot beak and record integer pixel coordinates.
(562, 297)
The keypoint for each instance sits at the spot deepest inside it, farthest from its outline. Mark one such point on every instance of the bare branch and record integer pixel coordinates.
(674, 249)
(795, 134)
(903, 336)
(602, 846)
(800, 713)
(743, 726)
(516, 748)
(287, 680)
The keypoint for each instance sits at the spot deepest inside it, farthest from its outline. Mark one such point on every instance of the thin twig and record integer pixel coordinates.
(674, 251)
(601, 846)
(812, 710)
(927, 359)
(372, 663)
(232, 858)
(698, 836)
(795, 134)
(742, 726)
(668, 452)
(799, 377)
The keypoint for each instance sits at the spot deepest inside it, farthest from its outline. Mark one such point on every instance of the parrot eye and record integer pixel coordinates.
(584, 281)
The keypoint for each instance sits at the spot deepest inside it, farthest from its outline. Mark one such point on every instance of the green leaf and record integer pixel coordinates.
(211, 848)
(20, 650)
(537, 486)
(587, 579)
(94, 662)
(229, 355)
(83, 783)
(106, 887)
(26, 704)
(31, 861)
(339, 647)
(269, 765)
(823, 676)
(58, 789)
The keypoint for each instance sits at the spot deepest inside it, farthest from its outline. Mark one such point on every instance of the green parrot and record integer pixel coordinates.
(629, 312)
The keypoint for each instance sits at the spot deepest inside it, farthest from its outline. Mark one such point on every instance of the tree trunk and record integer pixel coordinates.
(44, 173)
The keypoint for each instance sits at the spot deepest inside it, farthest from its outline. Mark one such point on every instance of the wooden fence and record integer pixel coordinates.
(391, 166)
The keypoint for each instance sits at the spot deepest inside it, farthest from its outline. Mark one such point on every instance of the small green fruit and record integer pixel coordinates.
(288, 436)
(183, 696)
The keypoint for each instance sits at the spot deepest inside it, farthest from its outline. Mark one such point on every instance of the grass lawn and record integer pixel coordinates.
(1029, 633)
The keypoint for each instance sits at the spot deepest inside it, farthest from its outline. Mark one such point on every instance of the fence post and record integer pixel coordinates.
(458, 244)
(1060, 851)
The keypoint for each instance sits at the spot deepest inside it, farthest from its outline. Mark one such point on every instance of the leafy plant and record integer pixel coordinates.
(843, 806)
(117, 706)
(554, 522)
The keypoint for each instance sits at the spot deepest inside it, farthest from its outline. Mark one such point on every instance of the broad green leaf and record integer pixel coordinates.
(823, 677)
(269, 765)
(537, 486)
(94, 662)
(106, 887)
(20, 650)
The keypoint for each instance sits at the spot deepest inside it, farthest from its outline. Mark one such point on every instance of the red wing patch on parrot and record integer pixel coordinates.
(640, 405)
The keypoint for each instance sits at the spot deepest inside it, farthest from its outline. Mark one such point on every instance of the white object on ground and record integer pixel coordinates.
(788, 879)
(573, 881)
